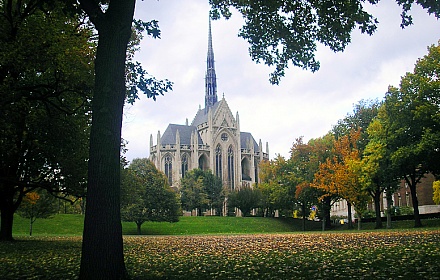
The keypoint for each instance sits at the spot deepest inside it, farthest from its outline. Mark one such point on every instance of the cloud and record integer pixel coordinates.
(304, 104)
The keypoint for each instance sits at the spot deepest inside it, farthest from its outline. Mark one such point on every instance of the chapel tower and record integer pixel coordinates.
(212, 141)
(210, 76)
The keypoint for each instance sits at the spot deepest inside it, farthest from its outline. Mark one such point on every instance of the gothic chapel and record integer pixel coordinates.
(212, 141)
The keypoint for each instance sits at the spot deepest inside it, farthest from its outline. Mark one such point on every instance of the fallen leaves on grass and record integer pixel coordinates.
(386, 255)
(375, 255)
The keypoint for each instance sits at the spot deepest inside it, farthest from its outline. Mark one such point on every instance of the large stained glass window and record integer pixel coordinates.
(169, 169)
(218, 161)
(184, 165)
(231, 167)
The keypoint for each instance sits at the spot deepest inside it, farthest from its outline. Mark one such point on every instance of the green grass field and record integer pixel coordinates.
(72, 225)
(231, 248)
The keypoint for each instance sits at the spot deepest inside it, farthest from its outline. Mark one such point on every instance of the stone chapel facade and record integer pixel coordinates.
(213, 141)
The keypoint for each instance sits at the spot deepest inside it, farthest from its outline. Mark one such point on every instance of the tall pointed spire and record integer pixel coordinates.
(210, 77)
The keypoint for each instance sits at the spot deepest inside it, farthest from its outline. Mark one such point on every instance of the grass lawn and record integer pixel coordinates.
(398, 254)
(72, 225)
(232, 248)
(69, 224)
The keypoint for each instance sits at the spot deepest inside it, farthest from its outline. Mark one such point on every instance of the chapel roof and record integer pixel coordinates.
(244, 138)
(169, 136)
(202, 116)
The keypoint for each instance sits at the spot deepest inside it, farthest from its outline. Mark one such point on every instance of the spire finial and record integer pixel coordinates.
(210, 77)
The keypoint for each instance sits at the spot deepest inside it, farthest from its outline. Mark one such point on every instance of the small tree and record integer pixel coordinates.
(36, 205)
(201, 189)
(193, 195)
(245, 199)
(146, 195)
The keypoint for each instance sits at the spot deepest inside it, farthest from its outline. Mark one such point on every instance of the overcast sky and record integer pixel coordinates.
(304, 104)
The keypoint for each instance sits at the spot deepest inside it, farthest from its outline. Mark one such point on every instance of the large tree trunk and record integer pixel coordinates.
(7, 209)
(389, 206)
(303, 209)
(31, 226)
(376, 198)
(7, 220)
(350, 220)
(138, 228)
(102, 248)
(327, 217)
(412, 182)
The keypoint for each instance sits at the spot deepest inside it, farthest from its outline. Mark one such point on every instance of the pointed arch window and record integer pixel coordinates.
(184, 165)
(231, 167)
(169, 169)
(218, 161)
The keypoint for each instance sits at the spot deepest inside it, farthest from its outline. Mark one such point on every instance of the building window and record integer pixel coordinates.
(224, 136)
(231, 167)
(218, 161)
(407, 198)
(169, 169)
(184, 165)
(256, 163)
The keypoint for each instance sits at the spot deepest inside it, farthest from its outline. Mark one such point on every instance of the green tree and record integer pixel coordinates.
(413, 120)
(277, 186)
(37, 205)
(363, 114)
(268, 186)
(212, 187)
(245, 199)
(146, 196)
(46, 78)
(378, 172)
(214, 190)
(201, 189)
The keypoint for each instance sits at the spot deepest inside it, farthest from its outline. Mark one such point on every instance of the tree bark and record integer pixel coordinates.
(412, 182)
(376, 197)
(102, 248)
(138, 228)
(31, 226)
(7, 209)
(327, 217)
(303, 209)
(389, 205)
(359, 221)
(350, 221)
(7, 220)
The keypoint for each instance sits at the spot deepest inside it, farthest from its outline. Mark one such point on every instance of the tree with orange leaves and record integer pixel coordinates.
(340, 174)
(277, 186)
(37, 205)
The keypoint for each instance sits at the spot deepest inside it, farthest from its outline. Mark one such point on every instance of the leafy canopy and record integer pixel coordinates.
(145, 194)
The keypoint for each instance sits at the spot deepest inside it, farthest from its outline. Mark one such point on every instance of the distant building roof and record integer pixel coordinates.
(244, 138)
(169, 136)
(202, 117)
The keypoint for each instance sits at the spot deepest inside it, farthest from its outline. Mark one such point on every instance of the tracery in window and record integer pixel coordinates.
(184, 165)
(218, 161)
(231, 167)
(169, 169)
